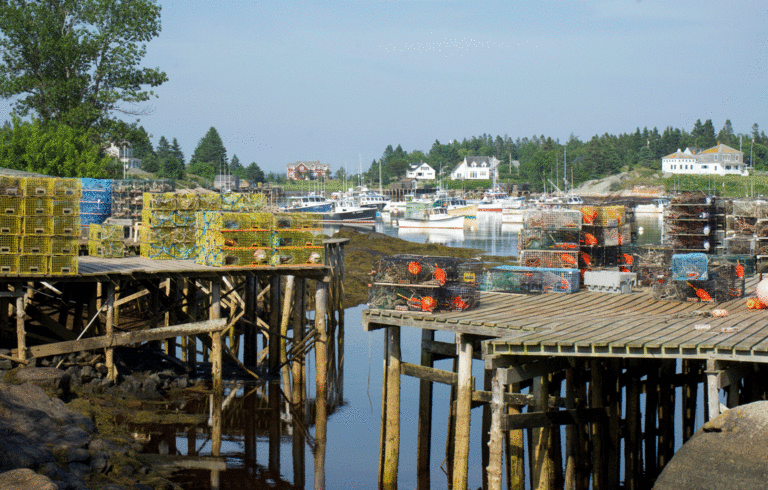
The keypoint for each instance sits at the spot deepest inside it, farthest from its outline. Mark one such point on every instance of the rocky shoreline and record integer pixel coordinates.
(66, 427)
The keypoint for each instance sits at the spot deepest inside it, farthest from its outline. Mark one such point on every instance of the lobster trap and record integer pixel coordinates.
(35, 245)
(755, 208)
(460, 297)
(63, 264)
(33, 264)
(12, 206)
(738, 245)
(539, 239)
(747, 263)
(404, 298)
(690, 267)
(552, 219)
(106, 249)
(104, 232)
(11, 225)
(690, 197)
(417, 269)
(530, 280)
(11, 186)
(67, 189)
(9, 264)
(38, 187)
(297, 220)
(600, 236)
(553, 259)
(9, 244)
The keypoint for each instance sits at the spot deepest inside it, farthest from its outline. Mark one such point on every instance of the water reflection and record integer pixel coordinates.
(441, 237)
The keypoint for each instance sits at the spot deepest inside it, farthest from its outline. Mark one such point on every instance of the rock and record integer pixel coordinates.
(79, 470)
(25, 479)
(78, 455)
(6, 364)
(149, 387)
(48, 378)
(728, 452)
(87, 373)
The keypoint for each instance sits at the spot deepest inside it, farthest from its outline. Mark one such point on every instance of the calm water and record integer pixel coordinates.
(352, 452)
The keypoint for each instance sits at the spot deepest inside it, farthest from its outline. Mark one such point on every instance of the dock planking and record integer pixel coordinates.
(590, 323)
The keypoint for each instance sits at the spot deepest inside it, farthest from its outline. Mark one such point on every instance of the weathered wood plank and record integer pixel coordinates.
(533, 420)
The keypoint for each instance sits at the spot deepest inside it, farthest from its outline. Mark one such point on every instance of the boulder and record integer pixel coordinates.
(25, 479)
(727, 452)
(55, 381)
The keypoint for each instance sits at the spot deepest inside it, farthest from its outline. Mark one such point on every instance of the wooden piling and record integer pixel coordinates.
(463, 415)
(216, 368)
(632, 457)
(495, 442)
(690, 395)
(392, 411)
(109, 327)
(424, 440)
(541, 437)
(598, 429)
(321, 383)
(515, 448)
(21, 334)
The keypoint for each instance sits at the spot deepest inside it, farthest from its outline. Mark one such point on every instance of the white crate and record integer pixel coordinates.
(610, 281)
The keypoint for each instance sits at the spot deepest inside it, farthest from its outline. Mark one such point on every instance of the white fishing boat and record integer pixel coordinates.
(311, 203)
(656, 207)
(512, 210)
(492, 201)
(430, 217)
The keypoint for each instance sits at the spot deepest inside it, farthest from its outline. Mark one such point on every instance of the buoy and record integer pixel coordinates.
(640, 230)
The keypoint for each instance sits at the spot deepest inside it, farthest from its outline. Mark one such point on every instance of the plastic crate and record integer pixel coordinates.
(63, 264)
(67, 188)
(9, 244)
(38, 225)
(36, 245)
(9, 264)
(12, 206)
(66, 226)
(33, 264)
(38, 206)
(11, 225)
(38, 187)
(63, 245)
(689, 267)
(537, 239)
(552, 259)
(610, 281)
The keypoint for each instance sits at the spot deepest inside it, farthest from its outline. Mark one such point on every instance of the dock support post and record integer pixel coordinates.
(321, 401)
(463, 415)
(287, 302)
(110, 330)
(392, 411)
(21, 334)
(249, 332)
(666, 413)
(633, 445)
(495, 441)
(690, 394)
(599, 428)
(541, 437)
(424, 441)
(515, 448)
(713, 390)
(274, 371)
(216, 368)
(298, 394)
(570, 432)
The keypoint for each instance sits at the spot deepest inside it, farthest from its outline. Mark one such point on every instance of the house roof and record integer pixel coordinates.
(721, 148)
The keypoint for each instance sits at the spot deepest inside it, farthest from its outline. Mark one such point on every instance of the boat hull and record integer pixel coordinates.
(355, 216)
(438, 222)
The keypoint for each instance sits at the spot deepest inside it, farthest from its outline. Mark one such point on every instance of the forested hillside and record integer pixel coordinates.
(541, 157)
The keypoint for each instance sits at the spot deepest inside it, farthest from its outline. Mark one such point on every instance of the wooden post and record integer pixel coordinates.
(613, 392)
(192, 311)
(485, 432)
(110, 330)
(463, 415)
(392, 420)
(249, 334)
(541, 437)
(321, 382)
(274, 325)
(713, 390)
(570, 432)
(424, 441)
(690, 394)
(450, 440)
(598, 429)
(216, 369)
(495, 442)
(632, 457)
(666, 413)
(287, 301)
(515, 448)
(651, 412)
(298, 395)
(21, 334)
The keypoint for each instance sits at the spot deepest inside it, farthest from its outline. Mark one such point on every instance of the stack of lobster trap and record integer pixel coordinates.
(690, 222)
(604, 232)
(257, 239)
(702, 277)
(106, 240)
(128, 196)
(548, 255)
(424, 283)
(39, 225)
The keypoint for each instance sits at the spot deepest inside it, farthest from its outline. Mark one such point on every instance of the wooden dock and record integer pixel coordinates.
(578, 360)
(271, 317)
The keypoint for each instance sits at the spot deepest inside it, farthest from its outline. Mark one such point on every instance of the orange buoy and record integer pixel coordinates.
(440, 276)
(414, 267)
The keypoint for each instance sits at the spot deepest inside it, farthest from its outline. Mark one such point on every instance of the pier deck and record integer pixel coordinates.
(600, 324)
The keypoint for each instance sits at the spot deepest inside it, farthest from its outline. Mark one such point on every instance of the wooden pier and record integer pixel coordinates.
(270, 317)
(594, 376)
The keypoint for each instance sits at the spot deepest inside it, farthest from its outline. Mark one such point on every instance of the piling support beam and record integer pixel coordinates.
(463, 415)
(424, 442)
(110, 330)
(21, 334)
(713, 389)
(496, 439)
(541, 437)
(216, 368)
(392, 411)
(321, 382)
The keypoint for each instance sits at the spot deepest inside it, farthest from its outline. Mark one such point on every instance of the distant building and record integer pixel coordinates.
(718, 160)
(420, 171)
(124, 153)
(308, 170)
(476, 168)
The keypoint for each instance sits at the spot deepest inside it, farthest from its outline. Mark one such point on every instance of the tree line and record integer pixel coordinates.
(540, 158)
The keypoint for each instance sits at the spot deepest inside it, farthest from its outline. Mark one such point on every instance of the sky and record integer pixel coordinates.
(338, 81)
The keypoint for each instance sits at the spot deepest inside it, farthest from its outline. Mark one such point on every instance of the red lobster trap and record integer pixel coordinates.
(427, 299)
(421, 269)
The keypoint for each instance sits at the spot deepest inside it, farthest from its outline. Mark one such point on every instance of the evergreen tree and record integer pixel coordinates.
(210, 157)
(141, 145)
(176, 151)
(254, 173)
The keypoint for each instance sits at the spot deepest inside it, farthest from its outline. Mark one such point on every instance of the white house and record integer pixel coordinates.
(420, 171)
(718, 160)
(476, 168)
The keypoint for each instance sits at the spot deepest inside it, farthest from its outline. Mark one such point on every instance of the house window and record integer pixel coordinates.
(705, 167)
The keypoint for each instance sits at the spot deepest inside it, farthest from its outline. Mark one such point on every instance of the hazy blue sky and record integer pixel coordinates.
(338, 81)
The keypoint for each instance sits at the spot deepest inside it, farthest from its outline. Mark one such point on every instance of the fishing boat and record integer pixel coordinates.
(311, 203)
(370, 199)
(457, 206)
(347, 211)
(429, 217)
(492, 201)
(512, 210)
(656, 207)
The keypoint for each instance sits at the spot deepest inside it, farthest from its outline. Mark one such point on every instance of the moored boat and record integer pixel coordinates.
(430, 217)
